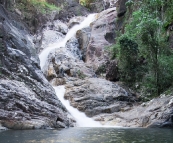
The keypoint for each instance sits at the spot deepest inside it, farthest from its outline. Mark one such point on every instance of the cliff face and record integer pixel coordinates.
(27, 101)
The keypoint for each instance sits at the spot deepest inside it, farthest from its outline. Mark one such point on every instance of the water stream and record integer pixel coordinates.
(81, 119)
(44, 54)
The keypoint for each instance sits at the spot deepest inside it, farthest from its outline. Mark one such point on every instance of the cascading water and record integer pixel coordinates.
(44, 54)
(81, 119)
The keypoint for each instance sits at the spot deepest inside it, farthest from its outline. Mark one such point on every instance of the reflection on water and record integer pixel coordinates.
(88, 135)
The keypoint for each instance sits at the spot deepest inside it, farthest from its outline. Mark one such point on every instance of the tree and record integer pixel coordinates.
(146, 28)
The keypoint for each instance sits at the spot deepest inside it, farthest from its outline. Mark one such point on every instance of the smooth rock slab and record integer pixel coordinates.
(22, 108)
(95, 96)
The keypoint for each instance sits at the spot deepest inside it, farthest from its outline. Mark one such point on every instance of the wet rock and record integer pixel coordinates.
(65, 63)
(75, 20)
(83, 37)
(112, 71)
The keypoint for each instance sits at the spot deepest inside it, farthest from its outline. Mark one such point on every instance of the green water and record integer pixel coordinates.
(88, 135)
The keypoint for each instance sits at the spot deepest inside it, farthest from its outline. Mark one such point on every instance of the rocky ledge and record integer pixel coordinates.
(113, 104)
(95, 96)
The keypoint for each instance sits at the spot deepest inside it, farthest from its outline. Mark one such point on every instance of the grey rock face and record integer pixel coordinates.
(24, 107)
(100, 5)
(83, 37)
(52, 32)
(102, 34)
(27, 100)
(95, 96)
(155, 113)
(65, 63)
(70, 9)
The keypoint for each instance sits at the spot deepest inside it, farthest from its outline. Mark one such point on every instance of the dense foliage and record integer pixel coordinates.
(42, 6)
(145, 58)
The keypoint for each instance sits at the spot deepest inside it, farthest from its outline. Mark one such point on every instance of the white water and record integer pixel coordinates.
(44, 54)
(81, 119)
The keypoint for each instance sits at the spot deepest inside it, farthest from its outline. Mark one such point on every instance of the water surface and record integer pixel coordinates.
(88, 135)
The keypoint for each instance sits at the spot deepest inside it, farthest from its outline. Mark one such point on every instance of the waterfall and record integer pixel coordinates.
(81, 119)
(44, 54)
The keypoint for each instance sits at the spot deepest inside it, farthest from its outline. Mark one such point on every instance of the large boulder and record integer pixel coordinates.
(53, 32)
(155, 113)
(102, 35)
(69, 9)
(95, 96)
(121, 5)
(83, 37)
(100, 5)
(63, 63)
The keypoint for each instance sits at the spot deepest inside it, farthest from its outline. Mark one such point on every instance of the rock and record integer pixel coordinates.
(2, 128)
(70, 8)
(156, 113)
(72, 46)
(51, 34)
(121, 5)
(60, 27)
(57, 81)
(83, 37)
(75, 20)
(18, 12)
(95, 96)
(65, 63)
(27, 101)
(102, 35)
(100, 5)
(112, 71)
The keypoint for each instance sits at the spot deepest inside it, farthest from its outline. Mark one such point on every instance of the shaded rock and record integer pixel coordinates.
(70, 8)
(112, 71)
(75, 20)
(83, 37)
(100, 5)
(121, 5)
(23, 107)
